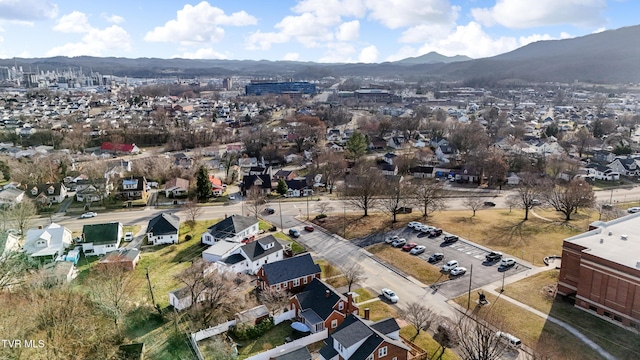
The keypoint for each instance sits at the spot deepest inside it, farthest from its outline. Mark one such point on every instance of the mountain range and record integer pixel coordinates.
(606, 57)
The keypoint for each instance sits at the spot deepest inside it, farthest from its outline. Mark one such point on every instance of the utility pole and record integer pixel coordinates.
(153, 299)
(280, 209)
(469, 293)
(307, 207)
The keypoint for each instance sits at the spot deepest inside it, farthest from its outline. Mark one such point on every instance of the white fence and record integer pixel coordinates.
(212, 331)
(282, 349)
(287, 315)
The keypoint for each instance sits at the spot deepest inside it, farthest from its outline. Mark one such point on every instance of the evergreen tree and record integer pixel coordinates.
(282, 187)
(356, 145)
(203, 185)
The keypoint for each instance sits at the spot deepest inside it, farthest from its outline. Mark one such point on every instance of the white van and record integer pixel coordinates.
(513, 341)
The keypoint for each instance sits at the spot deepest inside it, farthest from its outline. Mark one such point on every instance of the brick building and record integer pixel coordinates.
(601, 269)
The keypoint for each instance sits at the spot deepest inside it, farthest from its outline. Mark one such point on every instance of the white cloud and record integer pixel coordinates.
(330, 12)
(368, 54)
(340, 52)
(425, 32)
(407, 13)
(199, 23)
(75, 22)
(348, 31)
(113, 18)
(263, 40)
(599, 30)
(291, 56)
(203, 53)
(96, 43)
(28, 10)
(518, 14)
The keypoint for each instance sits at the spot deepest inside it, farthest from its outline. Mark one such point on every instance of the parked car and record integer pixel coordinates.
(232, 197)
(248, 239)
(294, 233)
(128, 236)
(390, 295)
(418, 250)
(489, 203)
(450, 265)
(270, 211)
(633, 210)
(435, 257)
(450, 239)
(413, 224)
(458, 271)
(510, 339)
(309, 228)
(409, 246)
(536, 202)
(391, 239)
(398, 243)
(426, 229)
(87, 215)
(435, 232)
(493, 256)
(507, 262)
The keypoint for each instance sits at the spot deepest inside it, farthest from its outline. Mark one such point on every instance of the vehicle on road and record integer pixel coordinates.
(232, 197)
(87, 215)
(458, 271)
(536, 202)
(413, 224)
(633, 210)
(435, 232)
(510, 339)
(294, 233)
(507, 262)
(493, 256)
(248, 239)
(128, 236)
(391, 239)
(489, 204)
(270, 211)
(409, 246)
(427, 229)
(450, 265)
(418, 250)
(390, 295)
(435, 257)
(398, 243)
(309, 228)
(450, 239)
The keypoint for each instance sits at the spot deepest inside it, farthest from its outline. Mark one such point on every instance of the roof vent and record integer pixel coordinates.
(624, 237)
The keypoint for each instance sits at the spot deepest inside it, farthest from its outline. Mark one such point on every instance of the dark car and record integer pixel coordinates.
(435, 257)
(294, 233)
(270, 211)
(493, 256)
(435, 233)
(309, 228)
(450, 238)
(489, 203)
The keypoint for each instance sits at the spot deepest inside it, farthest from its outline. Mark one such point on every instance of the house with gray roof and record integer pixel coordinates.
(289, 274)
(250, 257)
(361, 339)
(234, 228)
(53, 193)
(163, 229)
(48, 243)
(100, 239)
(10, 196)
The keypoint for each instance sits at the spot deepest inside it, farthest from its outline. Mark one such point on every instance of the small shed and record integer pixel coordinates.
(252, 316)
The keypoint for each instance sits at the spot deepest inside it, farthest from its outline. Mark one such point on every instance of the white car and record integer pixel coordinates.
(391, 239)
(399, 242)
(87, 215)
(128, 236)
(418, 250)
(450, 265)
(633, 210)
(427, 229)
(232, 197)
(390, 295)
(507, 262)
(458, 271)
(413, 224)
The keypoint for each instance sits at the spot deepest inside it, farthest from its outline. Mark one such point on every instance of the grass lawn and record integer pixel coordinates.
(426, 342)
(537, 291)
(331, 274)
(158, 334)
(412, 265)
(364, 295)
(378, 310)
(272, 338)
(534, 331)
(295, 246)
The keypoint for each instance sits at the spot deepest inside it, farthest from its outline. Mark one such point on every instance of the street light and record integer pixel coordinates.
(280, 209)
(503, 275)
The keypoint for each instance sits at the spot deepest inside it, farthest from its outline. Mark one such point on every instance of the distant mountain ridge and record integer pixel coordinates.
(606, 57)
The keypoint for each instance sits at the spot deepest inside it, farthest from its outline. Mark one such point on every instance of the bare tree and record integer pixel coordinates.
(332, 167)
(193, 210)
(418, 315)
(222, 297)
(14, 265)
(474, 203)
(22, 215)
(363, 187)
(324, 207)
(193, 278)
(477, 339)
(274, 300)
(111, 287)
(354, 274)
(570, 198)
(429, 195)
(395, 196)
(528, 192)
(255, 201)
(446, 336)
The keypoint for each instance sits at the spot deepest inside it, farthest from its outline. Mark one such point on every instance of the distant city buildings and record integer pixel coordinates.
(290, 87)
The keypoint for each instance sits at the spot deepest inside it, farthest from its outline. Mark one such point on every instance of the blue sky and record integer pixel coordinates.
(303, 30)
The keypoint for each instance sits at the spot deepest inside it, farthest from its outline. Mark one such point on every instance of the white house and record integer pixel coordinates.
(100, 239)
(220, 250)
(250, 257)
(163, 229)
(234, 228)
(8, 242)
(513, 179)
(180, 299)
(48, 243)
(601, 172)
(11, 196)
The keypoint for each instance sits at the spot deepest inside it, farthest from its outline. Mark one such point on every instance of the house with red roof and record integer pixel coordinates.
(116, 148)
(217, 188)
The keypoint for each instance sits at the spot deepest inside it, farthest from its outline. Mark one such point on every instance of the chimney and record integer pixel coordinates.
(366, 313)
(349, 302)
(327, 293)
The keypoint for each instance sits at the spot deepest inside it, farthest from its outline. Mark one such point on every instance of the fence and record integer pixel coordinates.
(282, 349)
(287, 315)
(212, 331)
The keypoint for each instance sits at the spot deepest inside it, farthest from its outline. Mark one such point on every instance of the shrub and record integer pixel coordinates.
(321, 216)
(248, 332)
(187, 237)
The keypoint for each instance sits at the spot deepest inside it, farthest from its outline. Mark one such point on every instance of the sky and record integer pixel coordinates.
(344, 31)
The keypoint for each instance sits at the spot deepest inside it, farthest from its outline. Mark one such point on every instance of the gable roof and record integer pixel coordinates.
(314, 297)
(291, 268)
(296, 184)
(231, 226)
(256, 249)
(100, 234)
(164, 224)
(386, 326)
(249, 180)
(300, 353)
(44, 189)
(125, 255)
(177, 182)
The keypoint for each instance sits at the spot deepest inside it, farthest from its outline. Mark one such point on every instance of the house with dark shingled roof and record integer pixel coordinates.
(289, 274)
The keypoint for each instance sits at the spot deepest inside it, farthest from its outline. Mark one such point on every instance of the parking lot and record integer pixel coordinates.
(465, 252)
